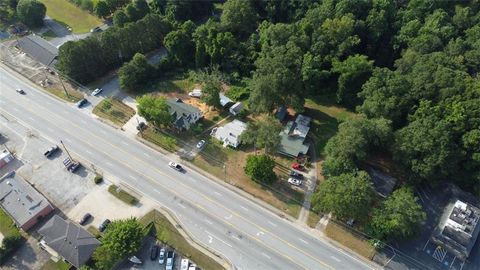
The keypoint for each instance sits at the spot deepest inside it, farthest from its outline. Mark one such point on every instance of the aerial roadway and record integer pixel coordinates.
(247, 234)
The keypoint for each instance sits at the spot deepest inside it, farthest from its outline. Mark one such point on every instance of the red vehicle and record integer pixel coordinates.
(297, 166)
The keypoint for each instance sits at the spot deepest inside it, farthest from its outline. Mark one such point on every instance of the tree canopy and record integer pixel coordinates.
(260, 168)
(31, 12)
(154, 109)
(135, 74)
(263, 134)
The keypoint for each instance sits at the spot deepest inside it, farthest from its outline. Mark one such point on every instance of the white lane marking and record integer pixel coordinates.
(236, 238)
(273, 224)
(49, 129)
(83, 121)
(260, 233)
(108, 163)
(212, 235)
(132, 177)
(244, 208)
(103, 132)
(229, 216)
(305, 242)
(210, 239)
(193, 179)
(31, 118)
(146, 154)
(68, 140)
(218, 194)
(89, 152)
(209, 221)
(15, 109)
(181, 205)
(335, 258)
(266, 256)
(125, 143)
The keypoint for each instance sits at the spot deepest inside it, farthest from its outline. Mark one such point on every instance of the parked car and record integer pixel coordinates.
(96, 29)
(170, 260)
(141, 126)
(81, 103)
(197, 93)
(71, 165)
(85, 218)
(135, 260)
(20, 91)
(297, 166)
(296, 175)
(97, 91)
(175, 166)
(104, 225)
(161, 256)
(192, 267)
(200, 144)
(294, 181)
(154, 252)
(50, 151)
(184, 264)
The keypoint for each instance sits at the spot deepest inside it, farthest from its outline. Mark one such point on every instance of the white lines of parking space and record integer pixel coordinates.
(448, 260)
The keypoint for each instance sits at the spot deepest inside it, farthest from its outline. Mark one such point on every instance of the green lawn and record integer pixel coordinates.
(67, 13)
(164, 140)
(174, 85)
(7, 226)
(168, 234)
(114, 110)
(122, 195)
(343, 236)
(73, 96)
(326, 116)
(60, 265)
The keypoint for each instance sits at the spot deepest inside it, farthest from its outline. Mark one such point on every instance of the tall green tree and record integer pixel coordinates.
(122, 239)
(354, 72)
(238, 16)
(180, 45)
(263, 134)
(399, 216)
(345, 196)
(135, 74)
(154, 109)
(102, 9)
(31, 12)
(211, 93)
(260, 168)
(119, 18)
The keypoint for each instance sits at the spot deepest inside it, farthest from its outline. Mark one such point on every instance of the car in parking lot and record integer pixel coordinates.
(20, 91)
(296, 175)
(200, 144)
(85, 218)
(294, 181)
(71, 165)
(97, 91)
(81, 102)
(154, 252)
(175, 166)
(184, 264)
(104, 225)
(192, 267)
(297, 166)
(161, 256)
(50, 151)
(96, 29)
(170, 260)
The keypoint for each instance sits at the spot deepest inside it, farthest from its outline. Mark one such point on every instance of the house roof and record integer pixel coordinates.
(39, 49)
(178, 107)
(231, 132)
(291, 145)
(458, 228)
(236, 108)
(224, 100)
(281, 113)
(20, 200)
(382, 182)
(69, 240)
(303, 120)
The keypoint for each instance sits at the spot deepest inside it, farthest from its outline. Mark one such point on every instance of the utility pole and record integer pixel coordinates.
(64, 89)
(66, 150)
(139, 127)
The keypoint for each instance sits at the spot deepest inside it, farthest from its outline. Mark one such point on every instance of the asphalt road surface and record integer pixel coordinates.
(250, 236)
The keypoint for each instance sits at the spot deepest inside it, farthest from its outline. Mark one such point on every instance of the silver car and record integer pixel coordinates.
(161, 257)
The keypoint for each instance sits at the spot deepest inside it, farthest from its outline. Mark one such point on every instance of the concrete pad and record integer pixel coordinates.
(110, 207)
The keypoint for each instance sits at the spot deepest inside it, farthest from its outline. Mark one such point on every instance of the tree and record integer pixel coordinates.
(180, 45)
(211, 93)
(260, 168)
(263, 134)
(354, 141)
(354, 72)
(102, 9)
(122, 239)
(119, 18)
(31, 12)
(134, 74)
(238, 16)
(399, 216)
(345, 196)
(154, 110)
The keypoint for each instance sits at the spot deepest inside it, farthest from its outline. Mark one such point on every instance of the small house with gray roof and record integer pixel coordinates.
(39, 49)
(292, 137)
(66, 240)
(25, 205)
(183, 115)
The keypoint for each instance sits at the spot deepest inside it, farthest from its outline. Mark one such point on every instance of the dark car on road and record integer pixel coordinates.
(81, 103)
(85, 218)
(104, 225)
(154, 252)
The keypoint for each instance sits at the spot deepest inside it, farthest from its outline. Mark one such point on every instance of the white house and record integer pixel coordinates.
(236, 108)
(230, 133)
(183, 115)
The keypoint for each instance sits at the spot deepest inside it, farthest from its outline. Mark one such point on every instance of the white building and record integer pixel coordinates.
(230, 133)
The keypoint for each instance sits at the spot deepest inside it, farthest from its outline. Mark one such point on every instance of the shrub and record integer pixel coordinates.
(216, 118)
(238, 93)
(9, 245)
(98, 179)
(122, 195)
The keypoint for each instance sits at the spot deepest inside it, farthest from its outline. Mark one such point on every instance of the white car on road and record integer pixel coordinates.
(97, 91)
(175, 166)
